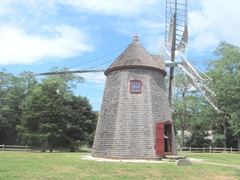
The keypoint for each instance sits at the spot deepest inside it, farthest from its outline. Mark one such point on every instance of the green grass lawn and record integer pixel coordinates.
(34, 165)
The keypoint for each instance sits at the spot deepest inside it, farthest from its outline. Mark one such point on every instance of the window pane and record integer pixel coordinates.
(135, 86)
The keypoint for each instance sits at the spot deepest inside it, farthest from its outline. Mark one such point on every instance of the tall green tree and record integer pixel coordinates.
(81, 122)
(13, 90)
(185, 106)
(200, 131)
(226, 84)
(43, 118)
(180, 112)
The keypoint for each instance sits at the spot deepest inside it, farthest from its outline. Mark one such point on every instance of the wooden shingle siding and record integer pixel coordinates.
(126, 124)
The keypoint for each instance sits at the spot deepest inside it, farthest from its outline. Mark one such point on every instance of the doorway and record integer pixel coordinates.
(167, 138)
(163, 144)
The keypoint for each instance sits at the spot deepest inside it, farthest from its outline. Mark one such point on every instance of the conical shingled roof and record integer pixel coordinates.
(136, 56)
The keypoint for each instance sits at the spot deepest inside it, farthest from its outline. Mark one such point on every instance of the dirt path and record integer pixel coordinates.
(216, 164)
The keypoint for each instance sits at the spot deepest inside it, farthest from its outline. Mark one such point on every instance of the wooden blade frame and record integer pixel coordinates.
(176, 17)
(66, 72)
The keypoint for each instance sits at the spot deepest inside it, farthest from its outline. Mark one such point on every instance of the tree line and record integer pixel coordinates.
(192, 113)
(44, 112)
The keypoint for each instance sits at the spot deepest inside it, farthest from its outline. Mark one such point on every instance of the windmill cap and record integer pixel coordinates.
(136, 56)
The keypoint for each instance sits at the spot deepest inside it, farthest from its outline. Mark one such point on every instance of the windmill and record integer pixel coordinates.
(135, 117)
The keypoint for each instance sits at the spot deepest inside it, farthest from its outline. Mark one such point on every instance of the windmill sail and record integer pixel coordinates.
(184, 41)
(193, 70)
(199, 82)
(176, 29)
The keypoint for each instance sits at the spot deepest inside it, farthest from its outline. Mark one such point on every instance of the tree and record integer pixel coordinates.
(226, 84)
(53, 115)
(200, 133)
(185, 106)
(12, 94)
(43, 119)
(81, 122)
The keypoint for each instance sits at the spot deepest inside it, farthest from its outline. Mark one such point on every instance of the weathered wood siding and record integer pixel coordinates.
(126, 124)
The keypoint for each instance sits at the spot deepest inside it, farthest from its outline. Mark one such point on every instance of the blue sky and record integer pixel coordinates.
(36, 35)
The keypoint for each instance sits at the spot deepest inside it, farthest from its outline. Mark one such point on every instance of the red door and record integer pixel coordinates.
(159, 139)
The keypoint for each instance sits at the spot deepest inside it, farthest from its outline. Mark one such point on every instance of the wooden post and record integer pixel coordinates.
(3, 146)
(210, 149)
(203, 150)
(173, 48)
(190, 149)
(26, 148)
(231, 150)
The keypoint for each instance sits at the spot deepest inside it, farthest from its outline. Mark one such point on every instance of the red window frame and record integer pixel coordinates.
(137, 84)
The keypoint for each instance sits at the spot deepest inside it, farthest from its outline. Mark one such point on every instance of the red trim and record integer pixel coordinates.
(135, 91)
(135, 66)
(159, 146)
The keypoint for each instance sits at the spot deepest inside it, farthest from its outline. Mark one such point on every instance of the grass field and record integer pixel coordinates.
(34, 165)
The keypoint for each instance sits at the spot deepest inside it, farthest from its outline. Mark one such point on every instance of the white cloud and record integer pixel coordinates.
(33, 6)
(204, 43)
(21, 46)
(111, 7)
(18, 47)
(108, 7)
(98, 79)
(215, 21)
(210, 21)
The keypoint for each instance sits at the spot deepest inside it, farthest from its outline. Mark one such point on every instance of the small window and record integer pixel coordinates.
(135, 86)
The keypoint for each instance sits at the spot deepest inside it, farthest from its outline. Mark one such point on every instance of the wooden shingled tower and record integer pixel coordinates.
(135, 118)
